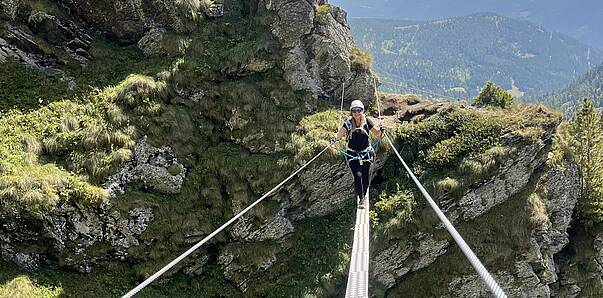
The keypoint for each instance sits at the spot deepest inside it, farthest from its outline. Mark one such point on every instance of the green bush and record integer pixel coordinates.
(492, 95)
(473, 137)
(446, 186)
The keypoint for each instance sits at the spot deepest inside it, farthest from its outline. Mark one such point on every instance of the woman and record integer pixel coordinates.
(358, 147)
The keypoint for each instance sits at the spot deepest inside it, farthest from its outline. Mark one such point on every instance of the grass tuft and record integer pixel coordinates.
(446, 186)
(537, 209)
(361, 61)
(31, 145)
(23, 287)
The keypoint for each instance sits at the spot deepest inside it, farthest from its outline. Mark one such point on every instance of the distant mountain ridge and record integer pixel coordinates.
(580, 19)
(454, 57)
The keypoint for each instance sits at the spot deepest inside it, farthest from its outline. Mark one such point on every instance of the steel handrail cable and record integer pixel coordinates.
(475, 262)
(188, 252)
(342, 96)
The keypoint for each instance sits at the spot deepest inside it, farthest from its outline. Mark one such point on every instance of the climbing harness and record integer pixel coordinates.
(366, 155)
(214, 233)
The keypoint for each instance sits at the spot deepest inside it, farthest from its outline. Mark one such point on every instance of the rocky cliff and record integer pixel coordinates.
(227, 98)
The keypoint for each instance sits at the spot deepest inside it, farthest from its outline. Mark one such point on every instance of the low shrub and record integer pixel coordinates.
(394, 210)
(492, 95)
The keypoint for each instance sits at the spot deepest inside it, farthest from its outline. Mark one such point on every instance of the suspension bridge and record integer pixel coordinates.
(358, 274)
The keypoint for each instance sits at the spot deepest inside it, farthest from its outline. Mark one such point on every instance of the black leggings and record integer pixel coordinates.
(361, 176)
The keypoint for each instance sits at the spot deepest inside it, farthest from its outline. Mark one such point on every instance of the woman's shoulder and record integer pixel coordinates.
(370, 121)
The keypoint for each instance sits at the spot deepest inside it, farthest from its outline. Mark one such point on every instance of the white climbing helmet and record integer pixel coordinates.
(356, 104)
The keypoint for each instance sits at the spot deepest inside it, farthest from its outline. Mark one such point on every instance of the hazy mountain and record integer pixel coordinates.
(577, 18)
(456, 56)
(589, 85)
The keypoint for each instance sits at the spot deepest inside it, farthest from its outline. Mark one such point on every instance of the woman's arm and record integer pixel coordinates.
(340, 134)
(377, 131)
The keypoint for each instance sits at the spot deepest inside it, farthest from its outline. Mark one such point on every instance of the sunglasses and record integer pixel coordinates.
(356, 110)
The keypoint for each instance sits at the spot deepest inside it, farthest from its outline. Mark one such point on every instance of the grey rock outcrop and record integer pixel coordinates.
(157, 169)
(198, 266)
(323, 189)
(395, 261)
(12, 9)
(129, 20)
(214, 10)
(26, 39)
(275, 228)
(151, 43)
(240, 274)
(62, 33)
(18, 45)
(317, 49)
(512, 176)
(70, 229)
(536, 270)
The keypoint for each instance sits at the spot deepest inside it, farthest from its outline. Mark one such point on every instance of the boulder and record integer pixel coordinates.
(156, 168)
(241, 273)
(275, 228)
(151, 44)
(396, 261)
(214, 10)
(62, 33)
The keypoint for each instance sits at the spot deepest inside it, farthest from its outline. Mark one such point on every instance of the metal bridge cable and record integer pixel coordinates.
(378, 99)
(188, 252)
(475, 262)
(342, 95)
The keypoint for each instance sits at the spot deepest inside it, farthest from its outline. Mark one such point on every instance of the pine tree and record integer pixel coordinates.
(493, 95)
(584, 139)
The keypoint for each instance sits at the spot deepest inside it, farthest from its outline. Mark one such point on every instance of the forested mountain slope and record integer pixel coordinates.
(589, 86)
(579, 19)
(456, 56)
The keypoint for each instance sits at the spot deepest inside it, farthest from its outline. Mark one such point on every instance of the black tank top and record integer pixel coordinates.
(358, 139)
